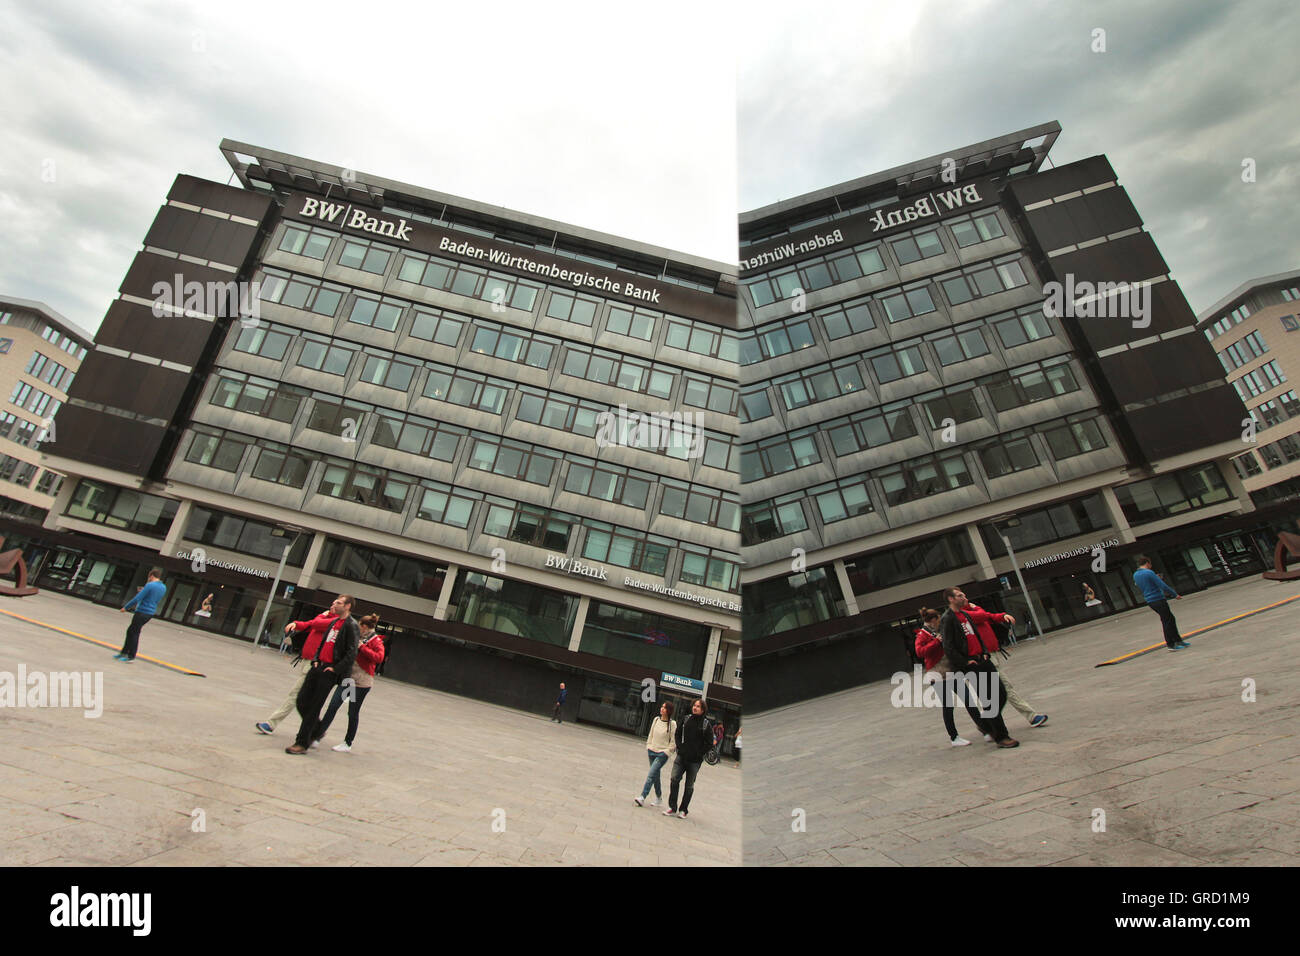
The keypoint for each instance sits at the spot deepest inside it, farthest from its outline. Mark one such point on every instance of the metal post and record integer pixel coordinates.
(275, 586)
(1021, 578)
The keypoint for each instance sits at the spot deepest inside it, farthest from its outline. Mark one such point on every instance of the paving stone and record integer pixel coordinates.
(1160, 742)
(420, 788)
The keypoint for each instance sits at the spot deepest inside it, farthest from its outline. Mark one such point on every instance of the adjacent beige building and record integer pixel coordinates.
(40, 352)
(1255, 330)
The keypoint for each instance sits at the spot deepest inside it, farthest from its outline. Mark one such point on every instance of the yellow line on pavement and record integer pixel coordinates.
(91, 640)
(1199, 630)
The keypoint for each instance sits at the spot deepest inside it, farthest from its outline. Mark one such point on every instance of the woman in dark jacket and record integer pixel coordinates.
(929, 648)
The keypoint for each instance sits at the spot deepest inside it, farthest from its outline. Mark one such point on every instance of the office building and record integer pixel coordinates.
(966, 356)
(40, 352)
(510, 437)
(1250, 330)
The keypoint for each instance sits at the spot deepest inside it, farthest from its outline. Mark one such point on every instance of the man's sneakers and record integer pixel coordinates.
(988, 738)
(315, 744)
(263, 727)
(1007, 742)
(343, 748)
(295, 750)
(1037, 720)
(1181, 644)
(960, 742)
(639, 801)
(128, 660)
(1176, 647)
(681, 814)
(119, 656)
(657, 801)
(670, 812)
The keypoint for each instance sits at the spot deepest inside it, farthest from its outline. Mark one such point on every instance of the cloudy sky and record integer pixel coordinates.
(653, 126)
(1185, 90)
(621, 122)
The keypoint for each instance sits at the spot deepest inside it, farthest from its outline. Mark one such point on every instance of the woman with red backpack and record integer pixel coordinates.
(929, 648)
(370, 654)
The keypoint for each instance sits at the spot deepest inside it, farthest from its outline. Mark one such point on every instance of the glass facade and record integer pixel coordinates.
(515, 607)
(655, 641)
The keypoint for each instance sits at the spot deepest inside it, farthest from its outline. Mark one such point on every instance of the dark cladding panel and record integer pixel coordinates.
(200, 236)
(1131, 259)
(1184, 424)
(228, 199)
(1168, 311)
(1113, 210)
(149, 269)
(148, 390)
(1141, 374)
(134, 328)
(1083, 218)
(108, 441)
(1062, 180)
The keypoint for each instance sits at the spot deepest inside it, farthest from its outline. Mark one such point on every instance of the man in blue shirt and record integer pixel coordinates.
(1156, 593)
(556, 716)
(144, 604)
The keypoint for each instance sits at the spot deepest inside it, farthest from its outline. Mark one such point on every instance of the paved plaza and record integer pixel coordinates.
(435, 779)
(1184, 770)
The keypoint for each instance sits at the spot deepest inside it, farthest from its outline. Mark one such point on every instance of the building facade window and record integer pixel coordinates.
(1172, 494)
(257, 396)
(922, 477)
(306, 241)
(222, 529)
(121, 508)
(1046, 525)
(774, 518)
(302, 292)
(650, 640)
(627, 548)
(515, 608)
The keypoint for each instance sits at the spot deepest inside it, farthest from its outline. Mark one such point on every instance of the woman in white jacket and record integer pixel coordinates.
(660, 745)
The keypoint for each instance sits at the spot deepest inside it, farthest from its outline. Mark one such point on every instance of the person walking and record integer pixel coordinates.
(331, 660)
(1026, 709)
(735, 743)
(1157, 595)
(144, 604)
(971, 653)
(560, 698)
(370, 653)
(694, 737)
(929, 647)
(315, 629)
(660, 745)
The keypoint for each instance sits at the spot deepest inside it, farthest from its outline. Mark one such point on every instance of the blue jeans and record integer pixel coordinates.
(657, 761)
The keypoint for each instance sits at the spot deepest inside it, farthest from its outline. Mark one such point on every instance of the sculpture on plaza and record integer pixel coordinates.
(11, 562)
(1288, 546)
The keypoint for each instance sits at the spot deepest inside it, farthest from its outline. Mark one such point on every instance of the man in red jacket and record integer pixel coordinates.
(331, 661)
(1035, 718)
(971, 652)
(315, 629)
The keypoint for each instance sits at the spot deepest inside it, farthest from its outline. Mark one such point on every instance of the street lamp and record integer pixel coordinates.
(1011, 521)
(277, 532)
